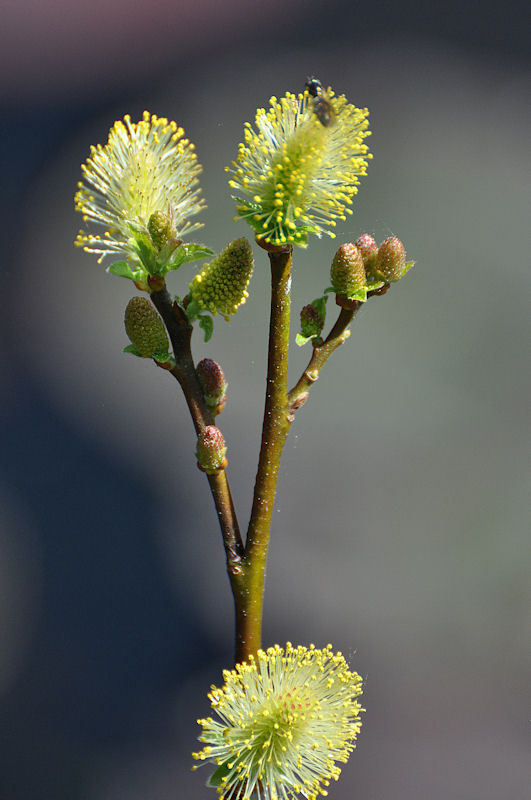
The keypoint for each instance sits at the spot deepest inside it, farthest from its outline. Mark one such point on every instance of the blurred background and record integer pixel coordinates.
(401, 527)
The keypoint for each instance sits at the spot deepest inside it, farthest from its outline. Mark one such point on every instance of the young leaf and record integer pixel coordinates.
(170, 256)
(130, 348)
(301, 340)
(193, 309)
(146, 251)
(164, 357)
(320, 305)
(360, 295)
(122, 269)
(218, 775)
(185, 253)
(206, 323)
(193, 252)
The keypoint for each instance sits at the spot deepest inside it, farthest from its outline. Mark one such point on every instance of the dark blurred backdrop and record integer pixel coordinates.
(401, 530)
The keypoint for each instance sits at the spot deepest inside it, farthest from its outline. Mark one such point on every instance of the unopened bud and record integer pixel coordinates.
(145, 328)
(211, 450)
(391, 261)
(368, 248)
(221, 286)
(160, 229)
(213, 383)
(312, 321)
(347, 272)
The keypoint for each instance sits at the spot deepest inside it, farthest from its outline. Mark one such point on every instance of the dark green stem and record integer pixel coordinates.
(274, 432)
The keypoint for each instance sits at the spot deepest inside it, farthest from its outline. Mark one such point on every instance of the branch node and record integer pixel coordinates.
(344, 302)
(221, 468)
(156, 283)
(179, 314)
(296, 404)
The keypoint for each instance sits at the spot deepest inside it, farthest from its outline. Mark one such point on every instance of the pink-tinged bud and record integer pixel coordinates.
(347, 272)
(312, 321)
(211, 450)
(391, 261)
(213, 383)
(368, 248)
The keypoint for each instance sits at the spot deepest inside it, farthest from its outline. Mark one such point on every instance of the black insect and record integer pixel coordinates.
(322, 106)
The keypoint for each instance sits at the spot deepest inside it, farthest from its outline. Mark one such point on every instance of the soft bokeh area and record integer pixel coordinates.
(401, 530)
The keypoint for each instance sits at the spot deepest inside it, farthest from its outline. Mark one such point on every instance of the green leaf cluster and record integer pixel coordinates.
(253, 214)
(155, 261)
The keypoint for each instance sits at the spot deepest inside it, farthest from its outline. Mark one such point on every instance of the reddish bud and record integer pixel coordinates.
(391, 260)
(211, 449)
(212, 380)
(347, 272)
(368, 248)
(312, 321)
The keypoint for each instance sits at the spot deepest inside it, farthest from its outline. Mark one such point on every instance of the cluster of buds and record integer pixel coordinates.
(359, 270)
(363, 266)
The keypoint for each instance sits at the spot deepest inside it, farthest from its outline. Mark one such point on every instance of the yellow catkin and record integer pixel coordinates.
(221, 286)
(294, 176)
(286, 720)
(146, 167)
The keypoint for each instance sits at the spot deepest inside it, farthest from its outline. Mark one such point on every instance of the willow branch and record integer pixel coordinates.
(180, 333)
(322, 352)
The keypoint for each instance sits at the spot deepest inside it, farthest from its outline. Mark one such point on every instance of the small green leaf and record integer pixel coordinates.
(320, 305)
(122, 269)
(186, 253)
(193, 252)
(244, 206)
(163, 357)
(309, 229)
(372, 285)
(193, 309)
(169, 257)
(146, 251)
(301, 340)
(217, 777)
(133, 350)
(360, 295)
(206, 323)
(408, 266)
